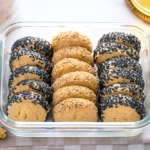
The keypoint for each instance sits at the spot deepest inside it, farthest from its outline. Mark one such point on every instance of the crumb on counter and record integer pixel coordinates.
(2, 133)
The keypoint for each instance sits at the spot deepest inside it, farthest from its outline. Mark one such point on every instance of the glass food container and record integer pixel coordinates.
(49, 128)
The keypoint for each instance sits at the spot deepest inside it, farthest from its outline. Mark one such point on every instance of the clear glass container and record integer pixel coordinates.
(70, 129)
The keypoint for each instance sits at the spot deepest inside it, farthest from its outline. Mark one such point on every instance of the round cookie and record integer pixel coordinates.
(121, 108)
(76, 52)
(75, 110)
(120, 75)
(28, 106)
(73, 91)
(132, 90)
(80, 78)
(120, 61)
(28, 72)
(70, 38)
(108, 50)
(31, 57)
(39, 87)
(70, 65)
(123, 38)
(36, 43)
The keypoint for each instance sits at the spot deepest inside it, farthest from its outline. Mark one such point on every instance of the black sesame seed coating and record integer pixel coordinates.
(124, 87)
(120, 61)
(28, 95)
(33, 55)
(122, 38)
(122, 100)
(126, 75)
(109, 48)
(36, 43)
(39, 86)
(43, 75)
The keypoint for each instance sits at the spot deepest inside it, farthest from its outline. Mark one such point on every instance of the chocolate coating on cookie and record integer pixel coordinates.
(114, 102)
(28, 72)
(120, 61)
(121, 37)
(32, 85)
(36, 43)
(31, 57)
(120, 75)
(108, 50)
(132, 90)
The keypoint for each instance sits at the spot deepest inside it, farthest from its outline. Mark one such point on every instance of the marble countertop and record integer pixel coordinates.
(78, 11)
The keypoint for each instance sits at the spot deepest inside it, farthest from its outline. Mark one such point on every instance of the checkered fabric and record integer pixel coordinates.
(139, 142)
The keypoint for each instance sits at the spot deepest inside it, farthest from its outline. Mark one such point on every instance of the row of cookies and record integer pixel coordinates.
(74, 80)
(29, 84)
(121, 85)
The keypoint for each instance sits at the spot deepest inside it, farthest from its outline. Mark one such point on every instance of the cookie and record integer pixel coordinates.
(39, 87)
(121, 108)
(39, 44)
(31, 57)
(132, 90)
(28, 72)
(75, 110)
(28, 106)
(123, 38)
(70, 65)
(108, 50)
(70, 38)
(120, 75)
(76, 52)
(76, 78)
(2, 133)
(73, 91)
(120, 61)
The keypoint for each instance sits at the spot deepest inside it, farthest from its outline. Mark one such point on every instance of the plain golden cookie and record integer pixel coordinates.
(70, 38)
(81, 78)
(75, 109)
(77, 52)
(73, 91)
(70, 65)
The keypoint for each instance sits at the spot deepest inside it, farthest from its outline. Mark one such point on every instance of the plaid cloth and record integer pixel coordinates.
(139, 142)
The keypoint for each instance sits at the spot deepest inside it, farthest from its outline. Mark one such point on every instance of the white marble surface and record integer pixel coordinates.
(79, 11)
